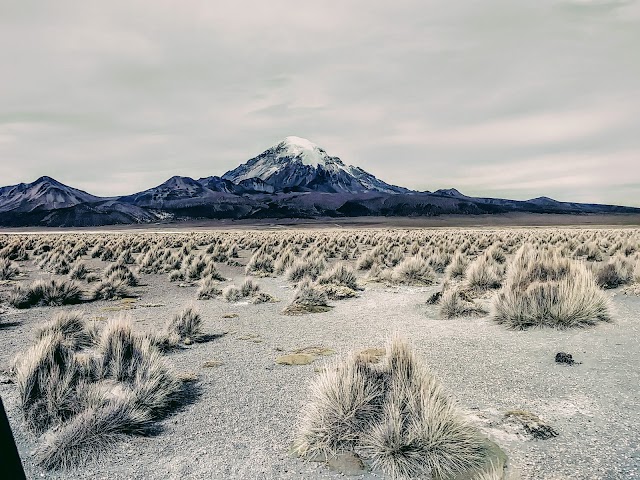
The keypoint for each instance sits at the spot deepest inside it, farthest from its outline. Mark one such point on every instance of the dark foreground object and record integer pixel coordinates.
(9, 458)
(562, 357)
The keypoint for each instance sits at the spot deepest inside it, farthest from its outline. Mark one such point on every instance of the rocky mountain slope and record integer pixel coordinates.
(293, 179)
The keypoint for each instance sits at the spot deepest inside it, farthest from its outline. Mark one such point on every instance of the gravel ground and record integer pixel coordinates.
(241, 425)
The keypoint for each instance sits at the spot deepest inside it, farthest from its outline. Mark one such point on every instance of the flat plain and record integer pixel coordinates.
(313, 296)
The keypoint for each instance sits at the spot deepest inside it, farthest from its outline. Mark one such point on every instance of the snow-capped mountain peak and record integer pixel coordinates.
(308, 152)
(299, 164)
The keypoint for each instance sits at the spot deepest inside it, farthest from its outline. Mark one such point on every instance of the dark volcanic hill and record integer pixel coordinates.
(293, 179)
(43, 194)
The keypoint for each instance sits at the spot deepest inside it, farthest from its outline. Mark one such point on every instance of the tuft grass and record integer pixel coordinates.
(308, 298)
(51, 292)
(544, 289)
(85, 389)
(8, 269)
(394, 412)
(186, 325)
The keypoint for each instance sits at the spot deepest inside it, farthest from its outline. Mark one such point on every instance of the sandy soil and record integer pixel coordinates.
(241, 425)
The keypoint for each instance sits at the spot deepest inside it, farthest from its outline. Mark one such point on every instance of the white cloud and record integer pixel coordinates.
(116, 96)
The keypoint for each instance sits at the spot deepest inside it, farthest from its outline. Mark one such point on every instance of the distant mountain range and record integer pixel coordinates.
(293, 179)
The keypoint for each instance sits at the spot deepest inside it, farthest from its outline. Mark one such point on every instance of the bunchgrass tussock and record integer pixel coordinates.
(187, 325)
(394, 412)
(8, 269)
(52, 292)
(308, 298)
(85, 389)
(544, 289)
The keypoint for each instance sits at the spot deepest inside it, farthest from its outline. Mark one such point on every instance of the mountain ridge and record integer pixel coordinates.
(294, 178)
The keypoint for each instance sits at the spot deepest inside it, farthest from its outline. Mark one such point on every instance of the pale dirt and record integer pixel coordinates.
(241, 425)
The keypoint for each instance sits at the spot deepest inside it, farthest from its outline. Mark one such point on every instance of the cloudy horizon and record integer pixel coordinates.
(495, 98)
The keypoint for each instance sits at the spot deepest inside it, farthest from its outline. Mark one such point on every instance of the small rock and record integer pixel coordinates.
(230, 315)
(348, 463)
(295, 359)
(562, 357)
(187, 341)
(371, 355)
(188, 377)
(532, 424)
(212, 364)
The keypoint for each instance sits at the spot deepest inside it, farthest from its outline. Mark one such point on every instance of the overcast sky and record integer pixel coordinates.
(510, 98)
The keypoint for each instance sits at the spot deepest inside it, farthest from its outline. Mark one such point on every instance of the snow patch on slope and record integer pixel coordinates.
(308, 152)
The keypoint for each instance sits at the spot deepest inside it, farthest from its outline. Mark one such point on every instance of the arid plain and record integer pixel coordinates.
(316, 352)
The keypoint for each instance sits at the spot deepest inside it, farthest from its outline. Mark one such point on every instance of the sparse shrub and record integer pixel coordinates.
(263, 297)
(457, 267)
(309, 267)
(78, 271)
(208, 289)
(439, 261)
(51, 292)
(93, 431)
(46, 376)
(483, 274)
(589, 250)
(366, 261)
(111, 289)
(340, 275)
(187, 325)
(211, 271)
(71, 326)
(8, 269)
(127, 389)
(308, 298)
(616, 272)
(544, 289)
(260, 264)
(394, 412)
(454, 303)
(231, 293)
(249, 288)
(119, 273)
(413, 271)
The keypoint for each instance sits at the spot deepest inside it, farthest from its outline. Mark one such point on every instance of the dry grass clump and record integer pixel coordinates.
(8, 269)
(71, 326)
(261, 264)
(111, 289)
(186, 326)
(85, 390)
(50, 292)
(590, 251)
(394, 412)
(308, 298)
(308, 267)
(339, 282)
(455, 302)
(616, 272)
(413, 271)
(483, 274)
(456, 269)
(208, 288)
(79, 271)
(544, 289)
(119, 272)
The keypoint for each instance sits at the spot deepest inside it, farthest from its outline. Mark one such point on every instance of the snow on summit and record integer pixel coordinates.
(308, 152)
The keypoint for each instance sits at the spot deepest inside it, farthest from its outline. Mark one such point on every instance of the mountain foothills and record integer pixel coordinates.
(293, 179)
